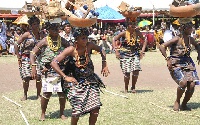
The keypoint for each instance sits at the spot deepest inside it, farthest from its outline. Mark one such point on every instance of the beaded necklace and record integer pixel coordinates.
(186, 49)
(78, 62)
(51, 43)
(131, 38)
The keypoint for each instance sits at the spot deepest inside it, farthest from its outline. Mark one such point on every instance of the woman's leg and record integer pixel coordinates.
(25, 87)
(188, 94)
(180, 91)
(74, 120)
(93, 116)
(135, 75)
(126, 81)
(44, 102)
(62, 101)
(38, 86)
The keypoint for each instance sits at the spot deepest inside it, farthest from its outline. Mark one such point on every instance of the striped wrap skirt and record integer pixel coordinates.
(84, 98)
(130, 63)
(25, 70)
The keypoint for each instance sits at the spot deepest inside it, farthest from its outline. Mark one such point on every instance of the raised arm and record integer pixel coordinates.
(104, 70)
(167, 44)
(17, 44)
(34, 53)
(69, 51)
(145, 41)
(116, 40)
(197, 47)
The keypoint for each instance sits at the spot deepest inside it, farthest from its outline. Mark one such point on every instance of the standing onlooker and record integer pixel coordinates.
(3, 37)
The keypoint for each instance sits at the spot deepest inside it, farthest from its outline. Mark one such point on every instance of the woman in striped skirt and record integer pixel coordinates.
(128, 52)
(23, 47)
(83, 86)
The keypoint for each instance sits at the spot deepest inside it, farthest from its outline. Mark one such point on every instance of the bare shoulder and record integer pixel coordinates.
(26, 35)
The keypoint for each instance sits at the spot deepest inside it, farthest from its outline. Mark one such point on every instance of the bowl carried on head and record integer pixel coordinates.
(129, 12)
(75, 7)
(184, 9)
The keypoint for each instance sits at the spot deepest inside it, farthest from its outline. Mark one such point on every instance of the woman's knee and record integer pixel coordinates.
(61, 95)
(47, 95)
(95, 112)
(183, 83)
(127, 75)
(135, 73)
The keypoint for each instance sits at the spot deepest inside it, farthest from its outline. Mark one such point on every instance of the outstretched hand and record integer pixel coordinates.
(71, 79)
(142, 54)
(105, 70)
(198, 60)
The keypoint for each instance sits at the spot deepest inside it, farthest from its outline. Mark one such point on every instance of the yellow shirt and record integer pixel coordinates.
(198, 32)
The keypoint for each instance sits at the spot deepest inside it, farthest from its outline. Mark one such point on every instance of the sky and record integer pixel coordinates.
(15, 3)
(111, 3)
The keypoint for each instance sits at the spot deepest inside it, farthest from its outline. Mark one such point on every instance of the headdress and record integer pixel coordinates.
(131, 13)
(82, 14)
(80, 32)
(184, 9)
(33, 19)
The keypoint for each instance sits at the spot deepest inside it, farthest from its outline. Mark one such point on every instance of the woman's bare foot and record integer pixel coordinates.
(63, 117)
(42, 118)
(133, 91)
(176, 106)
(39, 96)
(24, 98)
(185, 108)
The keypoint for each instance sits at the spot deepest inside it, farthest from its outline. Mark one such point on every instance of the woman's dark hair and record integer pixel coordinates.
(33, 19)
(80, 32)
(49, 25)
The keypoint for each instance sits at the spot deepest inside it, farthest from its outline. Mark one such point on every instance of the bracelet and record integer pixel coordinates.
(64, 77)
(33, 53)
(163, 45)
(34, 64)
(167, 58)
(103, 60)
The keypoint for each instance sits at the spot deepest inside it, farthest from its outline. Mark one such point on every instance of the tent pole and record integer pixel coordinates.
(153, 15)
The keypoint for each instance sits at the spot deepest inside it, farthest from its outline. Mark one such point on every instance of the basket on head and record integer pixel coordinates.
(76, 21)
(129, 12)
(184, 9)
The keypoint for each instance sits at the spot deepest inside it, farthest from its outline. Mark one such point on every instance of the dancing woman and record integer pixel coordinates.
(27, 42)
(84, 93)
(47, 49)
(181, 65)
(128, 53)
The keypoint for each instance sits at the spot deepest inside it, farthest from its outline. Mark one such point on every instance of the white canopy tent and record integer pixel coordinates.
(145, 4)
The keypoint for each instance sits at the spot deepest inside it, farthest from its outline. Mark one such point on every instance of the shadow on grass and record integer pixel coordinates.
(143, 91)
(33, 97)
(192, 105)
(56, 114)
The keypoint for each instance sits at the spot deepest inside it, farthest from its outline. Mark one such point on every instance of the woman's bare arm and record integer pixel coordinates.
(167, 44)
(69, 51)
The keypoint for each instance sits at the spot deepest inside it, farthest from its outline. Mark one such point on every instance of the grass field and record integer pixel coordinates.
(148, 107)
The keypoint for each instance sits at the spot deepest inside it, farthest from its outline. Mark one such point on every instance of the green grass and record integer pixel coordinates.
(139, 109)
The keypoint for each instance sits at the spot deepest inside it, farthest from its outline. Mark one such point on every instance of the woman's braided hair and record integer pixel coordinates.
(33, 19)
(80, 32)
